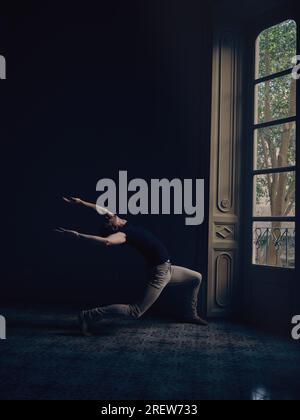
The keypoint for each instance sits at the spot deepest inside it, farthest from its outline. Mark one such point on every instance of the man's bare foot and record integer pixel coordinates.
(196, 321)
(84, 324)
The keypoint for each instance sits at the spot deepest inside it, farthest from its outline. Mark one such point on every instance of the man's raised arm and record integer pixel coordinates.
(101, 210)
(115, 239)
(112, 240)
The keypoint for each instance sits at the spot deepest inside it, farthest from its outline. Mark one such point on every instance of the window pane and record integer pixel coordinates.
(275, 147)
(275, 195)
(274, 244)
(276, 47)
(275, 99)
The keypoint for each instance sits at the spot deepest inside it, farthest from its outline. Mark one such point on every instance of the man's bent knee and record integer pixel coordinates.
(135, 312)
(198, 279)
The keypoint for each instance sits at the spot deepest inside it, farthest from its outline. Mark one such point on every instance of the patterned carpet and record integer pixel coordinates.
(45, 358)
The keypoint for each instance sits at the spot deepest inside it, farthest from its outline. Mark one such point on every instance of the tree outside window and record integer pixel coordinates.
(275, 147)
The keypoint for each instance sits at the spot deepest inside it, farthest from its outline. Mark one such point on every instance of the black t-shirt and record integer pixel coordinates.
(146, 243)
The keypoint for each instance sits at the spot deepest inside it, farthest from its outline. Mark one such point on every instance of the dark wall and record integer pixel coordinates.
(125, 86)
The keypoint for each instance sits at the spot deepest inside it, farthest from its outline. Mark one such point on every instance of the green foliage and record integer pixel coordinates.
(280, 99)
(276, 99)
(280, 43)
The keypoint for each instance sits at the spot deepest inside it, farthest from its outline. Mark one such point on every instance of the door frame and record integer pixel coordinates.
(259, 279)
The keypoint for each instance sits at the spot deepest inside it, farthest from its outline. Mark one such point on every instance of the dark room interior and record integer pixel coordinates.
(162, 89)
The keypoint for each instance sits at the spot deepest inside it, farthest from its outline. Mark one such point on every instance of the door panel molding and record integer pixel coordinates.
(224, 270)
(224, 174)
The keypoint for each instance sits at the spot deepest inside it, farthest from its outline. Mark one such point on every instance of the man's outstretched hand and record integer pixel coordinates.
(67, 233)
(72, 200)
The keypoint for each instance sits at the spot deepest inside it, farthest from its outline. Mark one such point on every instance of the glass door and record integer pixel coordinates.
(274, 164)
(272, 170)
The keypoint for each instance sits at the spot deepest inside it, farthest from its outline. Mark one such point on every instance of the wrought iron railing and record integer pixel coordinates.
(274, 246)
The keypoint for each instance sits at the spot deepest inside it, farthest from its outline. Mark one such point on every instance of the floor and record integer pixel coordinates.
(44, 357)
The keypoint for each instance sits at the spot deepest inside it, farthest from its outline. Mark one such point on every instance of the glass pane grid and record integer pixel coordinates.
(275, 99)
(275, 195)
(269, 124)
(273, 76)
(274, 167)
(274, 244)
(275, 147)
